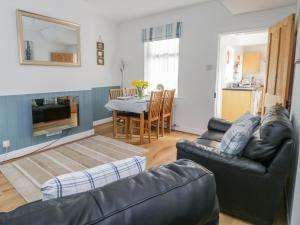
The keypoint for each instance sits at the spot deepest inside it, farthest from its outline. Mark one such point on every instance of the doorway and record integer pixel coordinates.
(242, 66)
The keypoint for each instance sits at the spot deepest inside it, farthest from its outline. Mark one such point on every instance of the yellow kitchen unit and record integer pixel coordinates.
(237, 101)
(251, 62)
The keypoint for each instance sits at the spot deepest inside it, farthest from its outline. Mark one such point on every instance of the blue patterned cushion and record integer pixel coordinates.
(247, 116)
(92, 178)
(237, 136)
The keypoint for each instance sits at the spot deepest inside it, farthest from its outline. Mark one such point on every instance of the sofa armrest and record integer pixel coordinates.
(196, 152)
(218, 124)
(281, 164)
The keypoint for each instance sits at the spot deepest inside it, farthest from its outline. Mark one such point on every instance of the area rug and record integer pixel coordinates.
(28, 174)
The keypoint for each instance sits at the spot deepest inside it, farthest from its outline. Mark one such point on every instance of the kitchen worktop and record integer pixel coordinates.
(243, 88)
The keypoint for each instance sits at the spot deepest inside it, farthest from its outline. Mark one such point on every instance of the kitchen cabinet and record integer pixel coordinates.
(251, 62)
(236, 102)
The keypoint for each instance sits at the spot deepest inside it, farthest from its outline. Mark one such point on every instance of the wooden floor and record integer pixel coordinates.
(161, 151)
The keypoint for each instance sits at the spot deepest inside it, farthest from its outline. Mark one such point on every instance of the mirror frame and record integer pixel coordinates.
(22, 60)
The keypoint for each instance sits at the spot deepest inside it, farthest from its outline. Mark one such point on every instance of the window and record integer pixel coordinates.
(161, 63)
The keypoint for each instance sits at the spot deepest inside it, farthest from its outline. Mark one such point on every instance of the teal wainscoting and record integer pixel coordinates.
(16, 118)
(100, 98)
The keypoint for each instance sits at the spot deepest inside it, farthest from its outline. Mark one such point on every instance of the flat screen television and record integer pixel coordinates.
(55, 114)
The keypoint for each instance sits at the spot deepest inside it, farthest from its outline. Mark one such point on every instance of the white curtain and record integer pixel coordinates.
(161, 63)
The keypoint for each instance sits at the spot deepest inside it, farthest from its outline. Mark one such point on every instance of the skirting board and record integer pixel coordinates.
(103, 121)
(187, 130)
(46, 145)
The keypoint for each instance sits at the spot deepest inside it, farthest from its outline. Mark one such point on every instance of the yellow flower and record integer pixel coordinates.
(140, 84)
(146, 84)
(134, 83)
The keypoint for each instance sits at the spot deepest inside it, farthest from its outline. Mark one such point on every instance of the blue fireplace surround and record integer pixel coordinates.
(16, 119)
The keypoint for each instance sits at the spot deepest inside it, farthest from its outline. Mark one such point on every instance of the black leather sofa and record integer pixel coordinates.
(249, 186)
(182, 193)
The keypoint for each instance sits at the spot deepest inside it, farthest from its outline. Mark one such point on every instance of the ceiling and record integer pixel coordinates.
(250, 39)
(246, 6)
(122, 10)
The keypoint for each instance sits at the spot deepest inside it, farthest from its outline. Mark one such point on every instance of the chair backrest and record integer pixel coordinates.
(131, 91)
(115, 93)
(271, 100)
(155, 104)
(168, 100)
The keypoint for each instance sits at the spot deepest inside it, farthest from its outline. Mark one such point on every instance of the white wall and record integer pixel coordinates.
(295, 217)
(202, 25)
(21, 79)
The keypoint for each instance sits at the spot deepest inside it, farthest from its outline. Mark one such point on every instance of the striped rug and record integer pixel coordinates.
(29, 173)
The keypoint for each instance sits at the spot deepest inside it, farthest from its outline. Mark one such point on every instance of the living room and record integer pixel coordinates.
(111, 48)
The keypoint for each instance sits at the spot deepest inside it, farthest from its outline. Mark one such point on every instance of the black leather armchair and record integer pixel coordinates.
(249, 186)
(182, 193)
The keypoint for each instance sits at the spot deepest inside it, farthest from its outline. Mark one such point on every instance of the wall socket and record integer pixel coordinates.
(6, 144)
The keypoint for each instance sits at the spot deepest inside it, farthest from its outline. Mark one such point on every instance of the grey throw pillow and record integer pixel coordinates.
(238, 135)
(248, 116)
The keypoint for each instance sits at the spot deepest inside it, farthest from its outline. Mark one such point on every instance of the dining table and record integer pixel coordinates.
(129, 104)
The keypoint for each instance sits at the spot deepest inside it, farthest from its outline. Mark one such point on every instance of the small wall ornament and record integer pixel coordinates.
(100, 53)
(122, 69)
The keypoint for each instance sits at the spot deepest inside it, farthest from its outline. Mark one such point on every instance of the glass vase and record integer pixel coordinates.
(140, 93)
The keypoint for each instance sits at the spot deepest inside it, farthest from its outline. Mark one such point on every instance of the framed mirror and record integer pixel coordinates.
(47, 41)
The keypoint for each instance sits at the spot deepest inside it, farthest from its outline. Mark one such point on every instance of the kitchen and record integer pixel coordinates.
(241, 74)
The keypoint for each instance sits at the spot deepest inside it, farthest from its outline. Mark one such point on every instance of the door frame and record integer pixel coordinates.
(218, 85)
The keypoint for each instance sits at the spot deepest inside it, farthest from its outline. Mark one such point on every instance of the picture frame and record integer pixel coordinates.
(100, 46)
(100, 53)
(100, 61)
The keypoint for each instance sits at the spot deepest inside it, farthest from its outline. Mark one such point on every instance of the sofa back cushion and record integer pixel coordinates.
(237, 136)
(219, 125)
(90, 179)
(180, 193)
(266, 140)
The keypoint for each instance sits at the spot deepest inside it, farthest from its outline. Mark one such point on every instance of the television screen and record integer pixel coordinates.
(55, 114)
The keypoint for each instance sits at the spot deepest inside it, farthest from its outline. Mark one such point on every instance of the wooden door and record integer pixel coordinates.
(280, 61)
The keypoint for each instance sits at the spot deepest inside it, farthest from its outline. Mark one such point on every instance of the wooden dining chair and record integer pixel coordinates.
(115, 93)
(131, 91)
(153, 115)
(120, 119)
(166, 110)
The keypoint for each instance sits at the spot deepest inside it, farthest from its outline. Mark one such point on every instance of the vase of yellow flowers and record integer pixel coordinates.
(141, 86)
